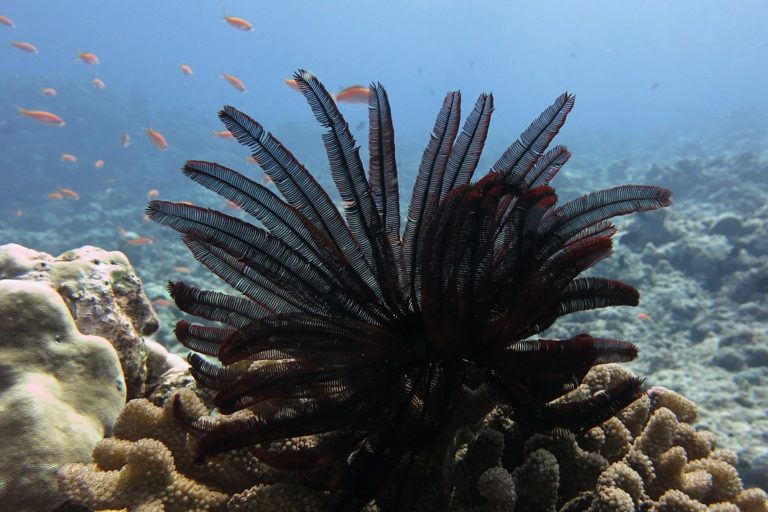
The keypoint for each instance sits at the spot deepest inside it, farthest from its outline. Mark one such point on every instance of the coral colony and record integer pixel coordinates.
(364, 335)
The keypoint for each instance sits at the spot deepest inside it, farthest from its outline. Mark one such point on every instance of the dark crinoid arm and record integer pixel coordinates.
(356, 337)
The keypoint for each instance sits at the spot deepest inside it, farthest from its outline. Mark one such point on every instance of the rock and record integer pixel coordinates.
(160, 362)
(103, 294)
(60, 393)
(729, 359)
(726, 224)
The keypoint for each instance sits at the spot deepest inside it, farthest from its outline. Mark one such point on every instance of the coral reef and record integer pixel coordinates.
(648, 458)
(103, 294)
(60, 393)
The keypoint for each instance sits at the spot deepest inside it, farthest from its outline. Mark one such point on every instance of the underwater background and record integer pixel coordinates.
(667, 93)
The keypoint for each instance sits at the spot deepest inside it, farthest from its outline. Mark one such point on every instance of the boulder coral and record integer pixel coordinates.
(648, 458)
(60, 393)
(103, 293)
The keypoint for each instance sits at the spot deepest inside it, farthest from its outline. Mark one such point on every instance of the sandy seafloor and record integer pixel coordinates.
(701, 265)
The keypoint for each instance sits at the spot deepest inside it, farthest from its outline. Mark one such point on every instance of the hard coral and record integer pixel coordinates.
(60, 392)
(364, 335)
(498, 467)
(103, 294)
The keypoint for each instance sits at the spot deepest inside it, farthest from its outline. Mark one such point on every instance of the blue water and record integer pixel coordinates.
(644, 74)
(635, 68)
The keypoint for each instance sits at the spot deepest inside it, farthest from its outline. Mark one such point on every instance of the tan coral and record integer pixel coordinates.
(698, 445)
(684, 409)
(280, 496)
(726, 484)
(612, 500)
(621, 476)
(497, 487)
(678, 501)
(537, 481)
(148, 477)
(752, 500)
(103, 293)
(231, 471)
(60, 392)
(618, 440)
(659, 434)
(559, 472)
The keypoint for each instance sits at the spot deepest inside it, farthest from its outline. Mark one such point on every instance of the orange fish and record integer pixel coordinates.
(88, 57)
(55, 195)
(125, 140)
(19, 213)
(99, 84)
(144, 240)
(161, 302)
(48, 91)
(68, 157)
(645, 317)
(153, 193)
(68, 192)
(234, 81)
(186, 69)
(188, 203)
(231, 204)
(98, 164)
(292, 83)
(353, 94)
(8, 22)
(25, 47)
(42, 116)
(181, 270)
(157, 139)
(239, 23)
(224, 134)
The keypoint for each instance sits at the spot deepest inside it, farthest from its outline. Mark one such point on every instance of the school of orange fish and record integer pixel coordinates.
(353, 94)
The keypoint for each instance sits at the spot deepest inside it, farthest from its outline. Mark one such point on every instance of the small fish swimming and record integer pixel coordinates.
(231, 204)
(125, 140)
(292, 83)
(68, 192)
(161, 302)
(25, 47)
(186, 69)
(234, 81)
(68, 157)
(88, 58)
(99, 84)
(48, 91)
(224, 134)
(153, 193)
(98, 164)
(181, 270)
(157, 139)
(238, 23)
(55, 195)
(42, 116)
(143, 240)
(8, 22)
(353, 94)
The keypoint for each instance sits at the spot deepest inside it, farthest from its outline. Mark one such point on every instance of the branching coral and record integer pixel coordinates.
(666, 466)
